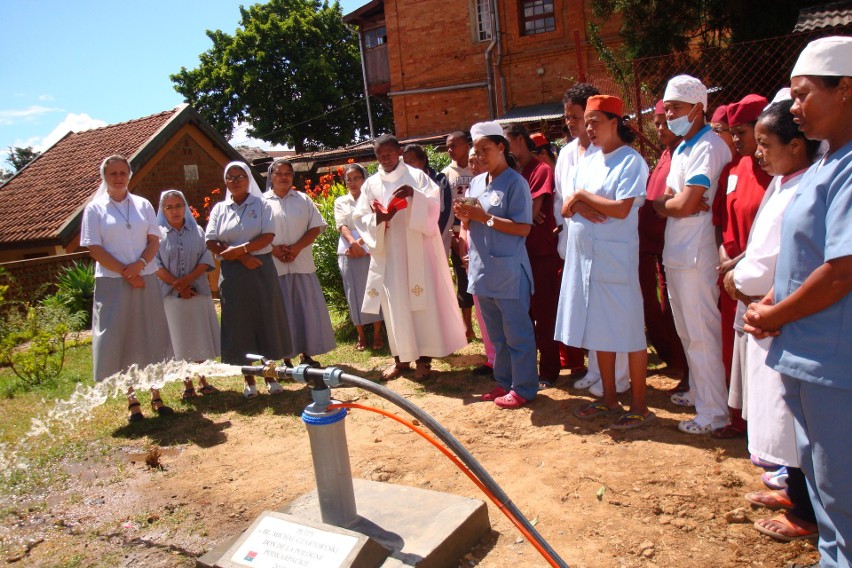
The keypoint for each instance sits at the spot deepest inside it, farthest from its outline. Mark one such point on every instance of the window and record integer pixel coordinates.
(537, 17)
(375, 37)
(483, 20)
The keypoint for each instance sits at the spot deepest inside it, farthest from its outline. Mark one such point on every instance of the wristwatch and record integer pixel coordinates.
(490, 221)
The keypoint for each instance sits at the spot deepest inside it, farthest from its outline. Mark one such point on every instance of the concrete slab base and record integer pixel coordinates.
(421, 528)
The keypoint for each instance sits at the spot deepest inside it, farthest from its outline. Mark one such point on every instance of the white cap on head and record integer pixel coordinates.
(782, 95)
(481, 129)
(686, 89)
(825, 57)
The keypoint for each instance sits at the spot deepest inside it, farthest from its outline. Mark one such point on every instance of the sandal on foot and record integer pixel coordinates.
(762, 463)
(361, 346)
(510, 401)
(597, 408)
(378, 344)
(422, 371)
(189, 393)
(250, 391)
(162, 409)
(631, 420)
(585, 381)
(542, 384)
(792, 528)
(494, 394)
(771, 499)
(728, 432)
(274, 387)
(134, 416)
(395, 370)
(208, 389)
(775, 479)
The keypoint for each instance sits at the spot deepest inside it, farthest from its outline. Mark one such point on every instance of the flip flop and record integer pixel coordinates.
(208, 389)
(134, 416)
(162, 410)
(378, 344)
(360, 346)
(631, 420)
(189, 393)
(789, 522)
(770, 499)
(594, 409)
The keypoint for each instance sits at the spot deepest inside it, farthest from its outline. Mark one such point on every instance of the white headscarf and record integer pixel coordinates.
(254, 189)
(188, 219)
(102, 189)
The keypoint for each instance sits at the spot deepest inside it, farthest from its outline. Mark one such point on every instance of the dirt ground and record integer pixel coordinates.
(648, 497)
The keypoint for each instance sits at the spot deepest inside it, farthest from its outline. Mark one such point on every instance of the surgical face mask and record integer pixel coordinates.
(680, 126)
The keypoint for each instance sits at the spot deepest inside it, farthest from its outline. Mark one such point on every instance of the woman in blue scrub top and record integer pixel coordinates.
(810, 307)
(600, 304)
(499, 272)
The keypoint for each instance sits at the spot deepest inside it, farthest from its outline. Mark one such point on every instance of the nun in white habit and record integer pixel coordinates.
(183, 263)
(128, 321)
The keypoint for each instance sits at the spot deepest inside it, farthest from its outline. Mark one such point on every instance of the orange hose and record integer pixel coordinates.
(459, 465)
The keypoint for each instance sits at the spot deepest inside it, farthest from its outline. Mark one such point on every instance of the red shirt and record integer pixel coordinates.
(541, 241)
(718, 209)
(747, 183)
(652, 227)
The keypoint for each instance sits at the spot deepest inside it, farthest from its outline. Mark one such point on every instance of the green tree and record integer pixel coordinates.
(658, 27)
(20, 157)
(291, 70)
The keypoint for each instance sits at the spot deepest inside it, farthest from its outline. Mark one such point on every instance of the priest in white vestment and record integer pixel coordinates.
(409, 277)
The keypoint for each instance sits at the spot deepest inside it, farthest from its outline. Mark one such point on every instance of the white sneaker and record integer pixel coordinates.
(683, 398)
(691, 427)
(586, 382)
(250, 391)
(598, 391)
(275, 387)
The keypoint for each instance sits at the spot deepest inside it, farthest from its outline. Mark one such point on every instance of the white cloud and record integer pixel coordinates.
(45, 97)
(240, 137)
(72, 123)
(25, 115)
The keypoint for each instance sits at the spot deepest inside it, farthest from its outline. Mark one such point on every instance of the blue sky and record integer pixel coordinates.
(83, 64)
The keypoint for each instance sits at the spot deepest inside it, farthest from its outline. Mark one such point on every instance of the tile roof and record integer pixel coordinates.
(825, 16)
(38, 202)
(533, 113)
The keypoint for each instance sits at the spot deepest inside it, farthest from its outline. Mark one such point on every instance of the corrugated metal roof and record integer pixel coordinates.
(824, 16)
(534, 113)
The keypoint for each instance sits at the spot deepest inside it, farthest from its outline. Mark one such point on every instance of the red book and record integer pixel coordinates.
(395, 204)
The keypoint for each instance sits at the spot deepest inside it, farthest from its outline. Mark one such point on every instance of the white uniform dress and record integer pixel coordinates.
(771, 432)
(600, 303)
(409, 277)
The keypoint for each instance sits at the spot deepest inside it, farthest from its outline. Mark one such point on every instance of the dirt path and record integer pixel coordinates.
(664, 501)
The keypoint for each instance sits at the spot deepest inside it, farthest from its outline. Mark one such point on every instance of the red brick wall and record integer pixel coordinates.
(38, 275)
(430, 44)
(168, 173)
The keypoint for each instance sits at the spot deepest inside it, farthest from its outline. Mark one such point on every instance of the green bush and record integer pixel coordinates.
(32, 340)
(77, 289)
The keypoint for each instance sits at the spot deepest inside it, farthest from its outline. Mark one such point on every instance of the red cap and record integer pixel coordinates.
(539, 139)
(605, 103)
(747, 110)
(659, 109)
(720, 114)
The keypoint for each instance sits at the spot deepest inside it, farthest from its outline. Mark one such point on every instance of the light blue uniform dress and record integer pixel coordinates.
(499, 273)
(600, 303)
(813, 353)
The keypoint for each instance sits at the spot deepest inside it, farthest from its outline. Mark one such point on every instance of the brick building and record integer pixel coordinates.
(445, 64)
(41, 206)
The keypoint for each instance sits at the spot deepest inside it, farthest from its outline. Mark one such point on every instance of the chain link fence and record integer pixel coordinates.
(762, 67)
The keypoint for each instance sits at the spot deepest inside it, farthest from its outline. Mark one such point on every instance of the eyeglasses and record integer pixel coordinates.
(232, 179)
(173, 207)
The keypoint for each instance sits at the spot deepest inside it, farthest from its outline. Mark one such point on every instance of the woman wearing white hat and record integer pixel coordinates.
(499, 271)
(810, 307)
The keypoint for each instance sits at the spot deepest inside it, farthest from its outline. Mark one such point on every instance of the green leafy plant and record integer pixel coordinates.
(77, 289)
(33, 341)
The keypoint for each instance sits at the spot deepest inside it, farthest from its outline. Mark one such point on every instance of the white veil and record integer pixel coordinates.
(254, 189)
